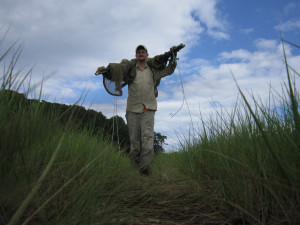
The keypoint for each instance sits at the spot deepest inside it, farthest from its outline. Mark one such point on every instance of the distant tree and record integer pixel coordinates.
(118, 129)
(113, 128)
(159, 141)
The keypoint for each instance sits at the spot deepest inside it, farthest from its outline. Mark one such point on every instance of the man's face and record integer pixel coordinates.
(141, 55)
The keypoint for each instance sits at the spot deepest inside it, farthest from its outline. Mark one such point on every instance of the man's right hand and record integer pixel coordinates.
(99, 70)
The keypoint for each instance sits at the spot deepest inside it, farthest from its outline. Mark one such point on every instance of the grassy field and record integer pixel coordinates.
(242, 169)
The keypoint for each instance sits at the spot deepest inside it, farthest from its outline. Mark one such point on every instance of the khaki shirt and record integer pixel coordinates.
(141, 90)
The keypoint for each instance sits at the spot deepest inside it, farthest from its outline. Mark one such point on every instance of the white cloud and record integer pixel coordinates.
(247, 30)
(215, 24)
(240, 54)
(289, 7)
(265, 44)
(218, 34)
(290, 25)
(76, 38)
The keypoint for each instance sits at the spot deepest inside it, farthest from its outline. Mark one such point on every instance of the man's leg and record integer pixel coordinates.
(133, 121)
(147, 137)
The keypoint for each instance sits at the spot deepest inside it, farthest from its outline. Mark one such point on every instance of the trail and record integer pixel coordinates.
(158, 200)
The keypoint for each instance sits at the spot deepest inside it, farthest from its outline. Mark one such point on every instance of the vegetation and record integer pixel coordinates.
(59, 166)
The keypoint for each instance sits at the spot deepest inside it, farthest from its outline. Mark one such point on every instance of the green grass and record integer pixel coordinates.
(251, 157)
(54, 174)
(242, 169)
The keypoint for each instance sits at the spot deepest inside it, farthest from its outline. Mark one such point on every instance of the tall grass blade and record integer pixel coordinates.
(264, 135)
(294, 70)
(293, 98)
(297, 46)
(59, 190)
(34, 190)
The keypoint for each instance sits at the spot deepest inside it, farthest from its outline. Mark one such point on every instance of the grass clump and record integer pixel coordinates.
(249, 159)
(53, 173)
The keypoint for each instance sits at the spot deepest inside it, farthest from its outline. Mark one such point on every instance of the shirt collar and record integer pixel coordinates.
(137, 66)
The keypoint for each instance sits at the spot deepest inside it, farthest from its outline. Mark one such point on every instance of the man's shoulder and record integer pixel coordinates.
(129, 62)
(156, 64)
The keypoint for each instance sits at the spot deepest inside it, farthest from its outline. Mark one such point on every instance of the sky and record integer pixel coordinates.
(65, 41)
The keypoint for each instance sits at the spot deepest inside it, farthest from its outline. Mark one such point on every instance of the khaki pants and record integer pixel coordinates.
(141, 132)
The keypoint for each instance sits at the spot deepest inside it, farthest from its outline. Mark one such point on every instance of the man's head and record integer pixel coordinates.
(141, 52)
(141, 47)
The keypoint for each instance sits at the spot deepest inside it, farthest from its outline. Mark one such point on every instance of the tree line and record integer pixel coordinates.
(114, 128)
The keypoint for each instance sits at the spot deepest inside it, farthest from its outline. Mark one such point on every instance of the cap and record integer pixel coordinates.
(141, 47)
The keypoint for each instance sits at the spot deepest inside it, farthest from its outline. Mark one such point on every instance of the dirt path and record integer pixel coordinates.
(156, 202)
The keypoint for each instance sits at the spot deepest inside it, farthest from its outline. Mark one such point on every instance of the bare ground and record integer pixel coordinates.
(154, 201)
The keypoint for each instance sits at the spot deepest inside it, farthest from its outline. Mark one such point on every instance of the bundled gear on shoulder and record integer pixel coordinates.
(118, 75)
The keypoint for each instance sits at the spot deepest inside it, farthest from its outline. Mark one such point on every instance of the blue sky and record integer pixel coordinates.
(246, 21)
(70, 39)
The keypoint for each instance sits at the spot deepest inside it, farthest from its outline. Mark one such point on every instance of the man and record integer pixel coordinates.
(142, 76)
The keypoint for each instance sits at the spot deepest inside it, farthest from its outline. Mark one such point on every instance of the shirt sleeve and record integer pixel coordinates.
(158, 74)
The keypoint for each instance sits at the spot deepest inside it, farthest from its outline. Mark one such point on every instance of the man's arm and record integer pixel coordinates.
(158, 74)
